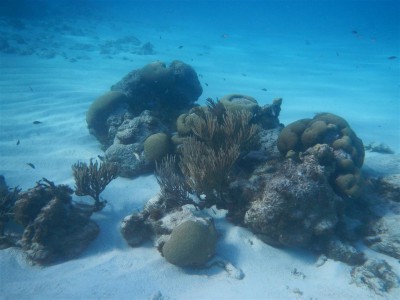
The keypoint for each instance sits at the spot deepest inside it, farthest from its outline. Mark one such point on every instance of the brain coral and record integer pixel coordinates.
(192, 243)
(100, 110)
(237, 102)
(330, 129)
(156, 146)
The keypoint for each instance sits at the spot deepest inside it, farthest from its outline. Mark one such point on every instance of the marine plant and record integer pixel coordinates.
(7, 201)
(174, 188)
(92, 179)
(208, 156)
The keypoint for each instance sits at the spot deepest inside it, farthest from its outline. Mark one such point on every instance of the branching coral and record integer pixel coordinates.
(92, 180)
(206, 170)
(208, 156)
(174, 189)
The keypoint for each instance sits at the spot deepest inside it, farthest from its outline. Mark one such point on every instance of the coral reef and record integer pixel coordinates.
(92, 179)
(127, 149)
(145, 102)
(297, 204)
(208, 155)
(383, 235)
(54, 228)
(330, 129)
(376, 275)
(7, 201)
(161, 89)
(185, 237)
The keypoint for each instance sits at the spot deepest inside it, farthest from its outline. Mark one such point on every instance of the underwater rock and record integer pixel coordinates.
(344, 252)
(55, 229)
(297, 203)
(161, 89)
(388, 187)
(268, 116)
(379, 148)
(100, 110)
(127, 150)
(145, 102)
(129, 159)
(135, 230)
(192, 243)
(237, 102)
(384, 235)
(138, 129)
(377, 275)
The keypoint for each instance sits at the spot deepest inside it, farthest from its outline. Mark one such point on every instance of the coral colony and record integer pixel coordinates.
(293, 186)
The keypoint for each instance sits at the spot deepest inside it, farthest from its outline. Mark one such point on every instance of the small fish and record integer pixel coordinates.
(30, 88)
(180, 47)
(337, 53)
(354, 32)
(136, 155)
(224, 35)
(100, 157)
(36, 122)
(206, 83)
(17, 142)
(264, 89)
(392, 57)
(160, 37)
(244, 74)
(31, 165)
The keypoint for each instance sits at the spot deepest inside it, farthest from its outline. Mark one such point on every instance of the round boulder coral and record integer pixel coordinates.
(156, 146)
(100, 110)
(192, 243)
(235, 102)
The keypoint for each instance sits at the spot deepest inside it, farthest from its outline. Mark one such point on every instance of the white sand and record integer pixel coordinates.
(359, 85)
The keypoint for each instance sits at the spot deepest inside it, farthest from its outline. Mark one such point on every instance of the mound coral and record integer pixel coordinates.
(156, 146)
(334, 131)
(192, 243)
(100, 110)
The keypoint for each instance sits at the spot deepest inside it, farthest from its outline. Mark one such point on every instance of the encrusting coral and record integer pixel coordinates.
(92, 179)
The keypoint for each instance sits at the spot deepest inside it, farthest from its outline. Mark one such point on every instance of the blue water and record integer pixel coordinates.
(336, 56)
